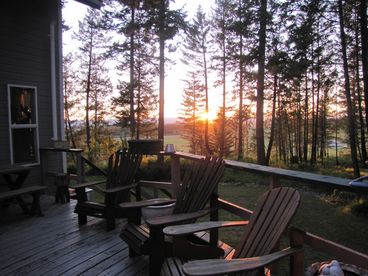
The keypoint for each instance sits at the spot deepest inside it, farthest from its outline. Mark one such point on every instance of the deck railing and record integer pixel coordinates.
(297, 236)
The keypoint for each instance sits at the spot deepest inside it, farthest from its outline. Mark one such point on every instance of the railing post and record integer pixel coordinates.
(274, 181)
(80, 168)
(214, 216)
(296, 260)
(175, 174)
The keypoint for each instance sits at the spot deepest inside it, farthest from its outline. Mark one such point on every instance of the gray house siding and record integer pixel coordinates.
(25, 60)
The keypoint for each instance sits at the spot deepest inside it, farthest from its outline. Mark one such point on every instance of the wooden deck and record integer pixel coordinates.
(56, 245)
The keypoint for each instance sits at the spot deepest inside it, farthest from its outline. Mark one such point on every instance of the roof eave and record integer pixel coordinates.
(96, 4)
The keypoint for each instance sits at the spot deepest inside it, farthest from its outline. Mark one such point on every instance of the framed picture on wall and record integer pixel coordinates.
(23, 124)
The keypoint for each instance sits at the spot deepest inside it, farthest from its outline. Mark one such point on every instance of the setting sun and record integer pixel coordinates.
(211, 116)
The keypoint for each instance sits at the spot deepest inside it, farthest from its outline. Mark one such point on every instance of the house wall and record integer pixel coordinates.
(25, 60)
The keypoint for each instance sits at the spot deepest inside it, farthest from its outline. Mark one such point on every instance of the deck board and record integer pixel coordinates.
(56, 245)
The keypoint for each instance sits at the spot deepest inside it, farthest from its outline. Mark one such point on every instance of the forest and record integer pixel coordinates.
(292, 75)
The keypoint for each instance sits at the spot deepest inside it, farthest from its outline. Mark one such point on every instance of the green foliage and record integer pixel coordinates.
(151, 169)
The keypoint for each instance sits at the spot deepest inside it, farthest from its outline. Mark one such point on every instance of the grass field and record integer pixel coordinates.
(179, 142)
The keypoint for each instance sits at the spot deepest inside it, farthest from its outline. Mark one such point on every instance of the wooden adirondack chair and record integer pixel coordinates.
(122, 167)
(263, 231)
(198, 185)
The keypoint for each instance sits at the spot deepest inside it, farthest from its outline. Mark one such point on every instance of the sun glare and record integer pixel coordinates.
(207, 115)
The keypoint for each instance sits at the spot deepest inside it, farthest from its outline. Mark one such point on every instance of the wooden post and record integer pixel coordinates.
(214, 216)
(42, 165)
(296, 260)
(175, 174)
(274, 181)
(80, 168)
(156, 250)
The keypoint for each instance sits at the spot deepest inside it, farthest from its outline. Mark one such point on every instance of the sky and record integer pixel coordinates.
(174, 85)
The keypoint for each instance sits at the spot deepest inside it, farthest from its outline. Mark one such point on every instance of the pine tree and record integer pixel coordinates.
(70, 98)
(222, 21)
(165, 24)
(192, 108)
(222, 137)
(351, 117)
(134, 49)
(195, 54)
(240, 47)
(93, 41)
(261, 158)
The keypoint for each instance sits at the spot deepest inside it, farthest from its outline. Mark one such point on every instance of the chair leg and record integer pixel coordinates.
(157, 247)
(82, 219)
(132, 253)
(67, 194)
(110, 217)
(57, 195)
(36, 207)
(110, 223)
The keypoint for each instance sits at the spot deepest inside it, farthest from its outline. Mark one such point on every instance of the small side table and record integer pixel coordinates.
(62, 181)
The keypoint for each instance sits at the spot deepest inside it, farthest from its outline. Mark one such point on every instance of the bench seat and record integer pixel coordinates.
(35, 191)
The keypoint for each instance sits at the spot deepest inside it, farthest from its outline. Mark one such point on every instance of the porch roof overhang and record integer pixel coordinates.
(92, 3)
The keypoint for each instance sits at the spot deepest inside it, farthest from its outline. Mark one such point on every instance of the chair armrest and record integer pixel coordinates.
(87, 184)
(176, 218)
(148, 202)
(116, 189)
(186, 229)
(156, 184)
(217, 267)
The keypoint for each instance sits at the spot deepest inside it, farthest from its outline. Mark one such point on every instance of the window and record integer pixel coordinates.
(23, 124)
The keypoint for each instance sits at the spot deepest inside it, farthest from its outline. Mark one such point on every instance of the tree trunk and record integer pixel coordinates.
(240, 119)
(261, 158)
(314, 117)
(139, 104)
(88, 88)
(241, 88)
(359, 96)
(289, 139)
(223, 119)
(206, 136)
(132, 84)
(306, 121)
(323, 128)
(317, 114)
(68, 123)
(364, 42)
(351, 117)
(95, 131)
(161, 120)
(299, 124)
(273, 120)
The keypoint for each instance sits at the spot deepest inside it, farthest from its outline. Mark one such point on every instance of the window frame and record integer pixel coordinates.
(32, 125)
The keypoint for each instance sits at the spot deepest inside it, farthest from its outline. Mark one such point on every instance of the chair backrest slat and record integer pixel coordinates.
(122, 168)
(269, 220)
(199, 183)
(211, 177)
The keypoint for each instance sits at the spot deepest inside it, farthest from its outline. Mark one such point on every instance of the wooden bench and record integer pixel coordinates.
(35, 191)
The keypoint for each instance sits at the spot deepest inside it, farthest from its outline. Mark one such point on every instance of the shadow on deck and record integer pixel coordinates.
(56, 245)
